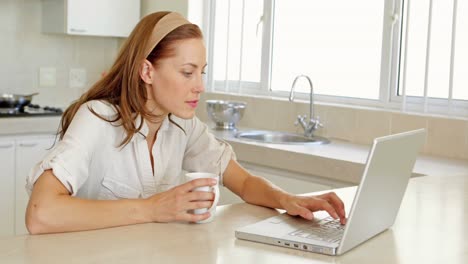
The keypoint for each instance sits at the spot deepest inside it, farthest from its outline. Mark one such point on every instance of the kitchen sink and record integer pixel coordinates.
(276, 137)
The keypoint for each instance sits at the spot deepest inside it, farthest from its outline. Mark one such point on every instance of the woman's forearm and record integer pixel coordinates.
(51, 209)
(253, 189)
(68, 213)
(260, 191)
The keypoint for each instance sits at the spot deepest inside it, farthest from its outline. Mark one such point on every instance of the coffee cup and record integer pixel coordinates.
(215, 189)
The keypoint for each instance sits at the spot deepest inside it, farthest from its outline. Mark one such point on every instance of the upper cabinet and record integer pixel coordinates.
(111, 18)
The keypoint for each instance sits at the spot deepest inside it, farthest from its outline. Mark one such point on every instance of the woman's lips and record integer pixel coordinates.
(193, 103)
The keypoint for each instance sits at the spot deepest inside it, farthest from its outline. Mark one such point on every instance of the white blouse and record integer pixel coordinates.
(90, 164)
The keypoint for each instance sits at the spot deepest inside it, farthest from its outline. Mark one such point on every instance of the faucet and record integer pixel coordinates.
(314, 122)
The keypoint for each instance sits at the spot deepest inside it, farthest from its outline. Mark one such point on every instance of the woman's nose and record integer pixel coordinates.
(200, 86)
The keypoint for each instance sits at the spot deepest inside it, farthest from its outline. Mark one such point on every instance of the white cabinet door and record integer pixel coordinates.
(103, 17)
(7, 187)
(291, 184)
(29, 151)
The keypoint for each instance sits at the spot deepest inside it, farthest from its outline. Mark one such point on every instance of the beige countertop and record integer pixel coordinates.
(339, 160)
(430, 228)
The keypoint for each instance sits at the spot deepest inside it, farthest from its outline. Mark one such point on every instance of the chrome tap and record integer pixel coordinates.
(314, 122)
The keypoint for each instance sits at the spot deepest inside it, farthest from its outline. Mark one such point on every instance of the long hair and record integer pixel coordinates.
(122, 86)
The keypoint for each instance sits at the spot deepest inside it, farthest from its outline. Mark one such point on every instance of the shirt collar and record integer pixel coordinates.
(143, 133)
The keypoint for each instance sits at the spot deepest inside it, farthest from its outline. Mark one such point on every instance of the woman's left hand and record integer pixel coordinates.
(304, 206)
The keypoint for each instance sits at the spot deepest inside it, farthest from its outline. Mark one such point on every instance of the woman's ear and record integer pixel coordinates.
(146, 70)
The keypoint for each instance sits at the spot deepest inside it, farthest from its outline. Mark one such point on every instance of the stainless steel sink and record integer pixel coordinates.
(276, 137)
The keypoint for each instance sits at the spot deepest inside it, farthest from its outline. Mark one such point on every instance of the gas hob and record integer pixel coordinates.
(30, 111)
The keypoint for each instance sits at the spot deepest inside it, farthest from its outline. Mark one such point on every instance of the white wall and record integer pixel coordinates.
(192, 10)
(24, 49)
(150, 6)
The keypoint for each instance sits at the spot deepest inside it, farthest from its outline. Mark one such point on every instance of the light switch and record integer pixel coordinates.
(77, 77)
(47, 77)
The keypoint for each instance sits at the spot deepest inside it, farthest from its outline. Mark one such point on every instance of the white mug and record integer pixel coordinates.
(215, 188)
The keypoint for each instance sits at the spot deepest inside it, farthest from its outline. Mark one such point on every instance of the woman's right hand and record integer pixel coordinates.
(173, 205)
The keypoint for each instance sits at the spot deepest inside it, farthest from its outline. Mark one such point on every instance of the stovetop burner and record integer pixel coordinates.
(30, 110)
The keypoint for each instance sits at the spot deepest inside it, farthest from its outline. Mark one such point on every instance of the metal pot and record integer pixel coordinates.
(15, 101)
(225, 114)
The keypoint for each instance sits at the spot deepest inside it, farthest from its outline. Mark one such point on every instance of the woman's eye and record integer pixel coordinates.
(187, 74)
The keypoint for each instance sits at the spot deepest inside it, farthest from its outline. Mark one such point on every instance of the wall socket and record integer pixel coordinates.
(77, 77)
(47, 77)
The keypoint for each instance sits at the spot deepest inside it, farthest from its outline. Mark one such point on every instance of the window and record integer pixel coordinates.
(238, 44)
(338, 44)
(370, 52)
(435, 55)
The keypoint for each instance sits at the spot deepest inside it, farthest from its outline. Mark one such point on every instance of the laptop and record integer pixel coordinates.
(376, 203)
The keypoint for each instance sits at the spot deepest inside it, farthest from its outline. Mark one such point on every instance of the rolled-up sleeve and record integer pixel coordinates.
(69, 160)
(206, 153)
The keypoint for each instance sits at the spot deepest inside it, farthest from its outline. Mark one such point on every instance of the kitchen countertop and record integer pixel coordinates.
(339, 160)
(29, 125)
(430, 228)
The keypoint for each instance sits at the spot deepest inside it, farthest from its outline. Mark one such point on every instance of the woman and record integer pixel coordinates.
(125, 142)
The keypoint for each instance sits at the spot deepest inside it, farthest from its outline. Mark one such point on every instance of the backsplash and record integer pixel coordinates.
(25, 49)
(445, 138)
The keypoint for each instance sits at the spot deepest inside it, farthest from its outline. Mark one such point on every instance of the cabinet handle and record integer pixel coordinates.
(28, 144)
(77, 30)
(5, 146)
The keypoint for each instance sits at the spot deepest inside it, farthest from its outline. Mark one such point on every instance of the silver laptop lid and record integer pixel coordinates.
(383, 184)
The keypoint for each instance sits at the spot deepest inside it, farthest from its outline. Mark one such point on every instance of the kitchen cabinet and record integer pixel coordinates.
(29, 151)
(18, 155)
(112, 18)
(288, 181)
(7, 186)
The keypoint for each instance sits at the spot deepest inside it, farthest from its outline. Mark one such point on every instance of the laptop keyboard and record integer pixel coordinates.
(327, 229)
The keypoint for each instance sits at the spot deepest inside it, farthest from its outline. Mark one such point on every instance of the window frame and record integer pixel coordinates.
(391, 63)
(417, 103)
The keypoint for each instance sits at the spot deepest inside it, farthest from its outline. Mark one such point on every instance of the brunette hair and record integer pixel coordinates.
(122, 86)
